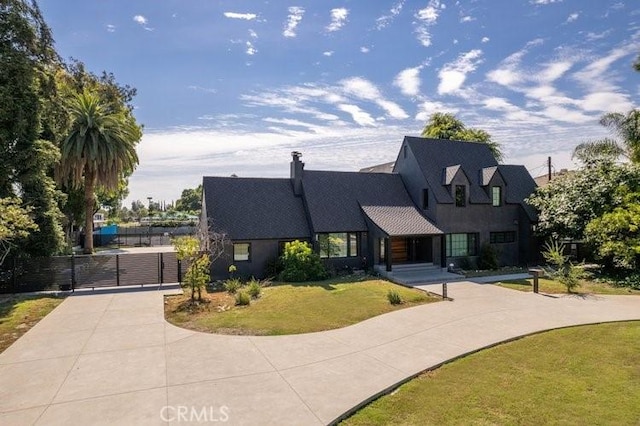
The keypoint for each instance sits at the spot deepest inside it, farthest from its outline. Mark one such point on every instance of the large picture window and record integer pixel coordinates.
(338, 244)
(459, 245)
(241, 252)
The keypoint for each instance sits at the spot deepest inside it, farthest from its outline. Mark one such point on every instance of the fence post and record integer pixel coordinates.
(179, 271)
(117, 270)
(73, 272)
(161, 268)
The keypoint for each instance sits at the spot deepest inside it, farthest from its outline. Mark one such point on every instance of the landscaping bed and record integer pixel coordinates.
(577, 376)
(547, 285)
(292, 308)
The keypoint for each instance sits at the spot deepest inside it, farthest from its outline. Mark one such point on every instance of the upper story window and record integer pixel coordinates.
(461, 195)
(496, 196)
(425, 199)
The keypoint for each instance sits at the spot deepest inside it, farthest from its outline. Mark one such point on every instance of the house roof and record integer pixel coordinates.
(400, 220)
(334, 198)
(435, 156)
(254, 208)
(520, 185)
(379, 168)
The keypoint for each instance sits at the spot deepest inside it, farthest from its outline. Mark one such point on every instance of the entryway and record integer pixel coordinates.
(411, 250)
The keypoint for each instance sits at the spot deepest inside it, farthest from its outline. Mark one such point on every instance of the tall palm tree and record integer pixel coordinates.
(99, 149)
(626, 128)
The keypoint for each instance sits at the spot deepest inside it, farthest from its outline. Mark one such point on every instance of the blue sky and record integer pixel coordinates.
(233, 86)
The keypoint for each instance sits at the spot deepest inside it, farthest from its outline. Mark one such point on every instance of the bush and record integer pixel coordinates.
(394, 297)
(242, 298)
(488, 258)
(465, 263)
(561, 268)
(300, 263)
(254, 288)
(232, 285)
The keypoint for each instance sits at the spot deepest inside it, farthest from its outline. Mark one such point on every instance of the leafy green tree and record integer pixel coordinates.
(190, 200)
(447, 126)
(15, 224)
(31, 121)
(98, 151)
(197, 274)
(626, 127)
(300, 263)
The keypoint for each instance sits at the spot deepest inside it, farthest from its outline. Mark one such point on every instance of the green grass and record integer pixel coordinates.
(294, 308)
(19, 313)
(551, 286)
(575, 376)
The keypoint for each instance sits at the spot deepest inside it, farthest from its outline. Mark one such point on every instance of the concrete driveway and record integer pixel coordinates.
(111, 358)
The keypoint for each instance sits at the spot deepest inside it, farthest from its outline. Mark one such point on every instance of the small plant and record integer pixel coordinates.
(561, 267)
(242, 298)
(254, 288)
(232, 285)
(488, 258)
(232, 270)
(394, 297)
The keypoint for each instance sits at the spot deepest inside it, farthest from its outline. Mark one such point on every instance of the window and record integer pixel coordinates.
(383, 249)
(461, 195)
(425, 199)
(241, 252)
(496, 196)
(502, 237)
(339, 244)
(462, 245)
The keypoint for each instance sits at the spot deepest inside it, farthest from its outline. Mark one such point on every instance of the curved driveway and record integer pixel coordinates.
(111, 358)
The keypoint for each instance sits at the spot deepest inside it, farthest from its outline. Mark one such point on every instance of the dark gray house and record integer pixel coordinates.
(438, 203)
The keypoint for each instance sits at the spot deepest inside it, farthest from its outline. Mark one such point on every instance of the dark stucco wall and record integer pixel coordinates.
(262, 251)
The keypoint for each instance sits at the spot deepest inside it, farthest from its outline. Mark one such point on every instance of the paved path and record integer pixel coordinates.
(112, 359)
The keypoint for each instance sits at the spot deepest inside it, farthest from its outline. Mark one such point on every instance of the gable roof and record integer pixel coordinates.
(520, 185)
(434, 156)
(254, 208)
(400, 220)
(334, 198)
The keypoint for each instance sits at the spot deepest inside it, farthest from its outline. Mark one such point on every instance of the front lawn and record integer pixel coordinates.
(551, 286)
(19, 313)
(293, 308)
(575, 376)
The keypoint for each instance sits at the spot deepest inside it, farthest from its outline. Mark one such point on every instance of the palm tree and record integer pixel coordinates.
(626, 128)
(98, 151)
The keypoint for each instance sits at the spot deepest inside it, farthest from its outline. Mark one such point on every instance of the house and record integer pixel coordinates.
(438, 203)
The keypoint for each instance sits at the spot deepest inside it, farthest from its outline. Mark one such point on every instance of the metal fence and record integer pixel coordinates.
(142, 236)
(73, 272)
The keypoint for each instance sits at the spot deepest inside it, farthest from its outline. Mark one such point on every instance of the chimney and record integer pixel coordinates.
(296, 172)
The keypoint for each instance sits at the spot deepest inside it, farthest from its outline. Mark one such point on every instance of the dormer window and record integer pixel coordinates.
(496, 196)
(461, 195)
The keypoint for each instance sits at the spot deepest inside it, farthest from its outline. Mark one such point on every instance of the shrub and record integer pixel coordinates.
(394, 297)
(232, 285)
(488, 258)
(242, 298)
(561, 267)
(254, 288)
(465, 263)
(300, 263)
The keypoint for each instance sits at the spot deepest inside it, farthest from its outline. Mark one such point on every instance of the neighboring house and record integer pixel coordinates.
(98, 220)
(543, 180)
(439, 202)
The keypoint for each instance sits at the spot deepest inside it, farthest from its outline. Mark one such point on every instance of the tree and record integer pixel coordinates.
(626, 127)
(98, 151)
(447, 126)
(188, 250)
(15, 223)
(190, 200)
(31, 121)
(300, 263)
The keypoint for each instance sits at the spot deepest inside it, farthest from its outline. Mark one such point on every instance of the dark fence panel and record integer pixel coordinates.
(37, 274)
(137, 269)
(96, 271)
(171, 268)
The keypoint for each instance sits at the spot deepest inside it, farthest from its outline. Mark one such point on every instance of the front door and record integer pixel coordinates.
(411, 250)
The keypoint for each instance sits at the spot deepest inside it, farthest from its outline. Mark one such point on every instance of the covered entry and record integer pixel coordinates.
(411, 249)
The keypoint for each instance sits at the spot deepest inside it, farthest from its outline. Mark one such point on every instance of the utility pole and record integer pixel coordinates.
(549, 167)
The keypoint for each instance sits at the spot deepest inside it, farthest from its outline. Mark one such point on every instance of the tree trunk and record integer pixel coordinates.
(88, 209)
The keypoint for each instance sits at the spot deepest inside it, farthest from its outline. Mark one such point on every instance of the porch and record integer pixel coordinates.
(414, 273)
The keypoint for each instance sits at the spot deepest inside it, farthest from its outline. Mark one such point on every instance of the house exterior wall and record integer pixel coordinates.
(414, 180)
(262, 252)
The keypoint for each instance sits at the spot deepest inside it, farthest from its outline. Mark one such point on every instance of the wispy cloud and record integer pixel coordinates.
(338, 19)
(385, 20)
(251, 49)
(544, 1)
(111, 28)
(328, 53)
(201, 89)
(408, 80)
(236, 15)
(573, 17)
(142, 21)
(253, 34)
(364, 49)
(467, 19)
(359, 116)
(485, 40)
(364, 89)
(453, 75)
(426, 18)
(294, 18)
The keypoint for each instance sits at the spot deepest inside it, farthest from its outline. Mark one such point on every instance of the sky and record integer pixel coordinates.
(234, 86)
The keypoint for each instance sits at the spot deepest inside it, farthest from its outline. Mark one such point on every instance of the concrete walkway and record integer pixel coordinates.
(112, 359)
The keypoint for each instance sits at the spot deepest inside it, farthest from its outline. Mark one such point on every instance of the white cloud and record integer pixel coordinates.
(328, 53)
(467, 19)
(253, 34)
(544, 1)
(202, 89)
(385, 20)
(294, 18)
(364, 89)
(111, 28)
(364, 49)
(245, 16)
(338, 19)
(361, 117)
(572, 17)
(426, 18)
(251, 49)
(408, 80)
(140, 19)
(508, 73)
(453, 75)
(591, 36)
(606, 102)
(485, 40)
(427, 108)
(554, 70)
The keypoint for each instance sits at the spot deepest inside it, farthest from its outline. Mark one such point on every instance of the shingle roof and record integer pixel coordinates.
(520, 185)
(255, 208)
(379, 168)
(334, 198)
(435, 155)
(400, 220)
